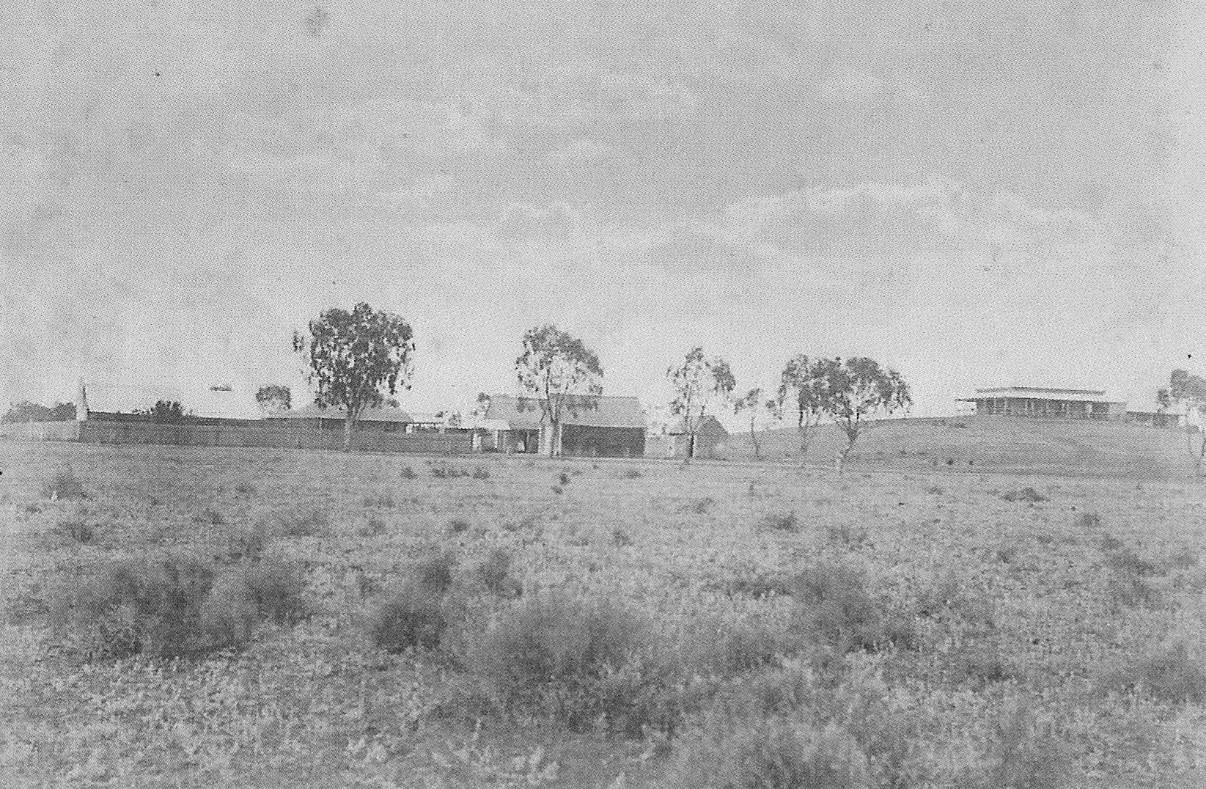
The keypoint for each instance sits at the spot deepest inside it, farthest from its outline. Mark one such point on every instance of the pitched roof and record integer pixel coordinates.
(710, 424)
(1040, 393)
(312, 411)
(524, 413)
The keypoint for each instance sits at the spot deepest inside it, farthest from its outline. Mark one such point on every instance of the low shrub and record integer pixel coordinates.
(407, 472)
(448, 471)
(620, 538)
(1087, 520)
(64, 485)
(1026, 494)
(845, 534)
(480, 473)
(1171, 675)
(76, 530)
(632, 473)
(138, 607)
(245, 489)
(563, 478)
(210, 517)
(494, 574)
(779, 752)
(835, 609)
(373, 527)
(380, 501)
(700, 506)
(433, 573)
(562, 657)
(1127, 581)
(275, 587)
(458, 526)
(296, 522)
(1022, 756)
(728, 649)
(174, 606)
(410, 617)
(751, 580)
(780, 521)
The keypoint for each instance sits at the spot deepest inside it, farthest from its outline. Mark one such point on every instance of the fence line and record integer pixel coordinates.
(210, 435)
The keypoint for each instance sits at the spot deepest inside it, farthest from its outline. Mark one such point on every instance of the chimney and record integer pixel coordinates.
(81, 403)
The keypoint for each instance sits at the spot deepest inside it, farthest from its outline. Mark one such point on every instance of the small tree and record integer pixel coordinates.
(860, 388)
(562, 375)
(698, 382)
(165, 412)
(755, 407)
(803, 386)
(1189, 391)
(273, 399)
(355, 359)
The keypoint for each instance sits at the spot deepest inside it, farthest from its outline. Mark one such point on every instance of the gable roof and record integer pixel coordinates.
(710, 424)
(312, 411)
(608, 412)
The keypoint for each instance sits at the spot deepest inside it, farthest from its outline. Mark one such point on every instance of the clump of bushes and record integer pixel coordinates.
(480, 473)
(174, 606)
(779, 521)
(729, 649)
(413, 615)
(1128, 574)
(448, 471)
(64, 485)
(1026, 494)
(1171, 675)
(296, 522)
(380, 500)
(834, 609)
(407, 473)
(577, 661)
(76, 530)
(494, 574)
(779, 752)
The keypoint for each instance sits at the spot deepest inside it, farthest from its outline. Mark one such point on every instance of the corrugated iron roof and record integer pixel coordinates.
(312, 411)
(524, 413)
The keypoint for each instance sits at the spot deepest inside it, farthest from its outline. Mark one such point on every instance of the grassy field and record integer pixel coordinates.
(1059, 447)
(889, 627)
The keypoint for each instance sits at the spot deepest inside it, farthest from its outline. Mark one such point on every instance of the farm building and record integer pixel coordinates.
(603, 427)
(1029, 401)
(380, 420)
(675, 441)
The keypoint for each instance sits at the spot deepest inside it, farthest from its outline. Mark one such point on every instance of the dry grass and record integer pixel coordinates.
(708, 624)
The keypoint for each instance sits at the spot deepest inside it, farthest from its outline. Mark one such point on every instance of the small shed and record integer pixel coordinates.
(675, 441)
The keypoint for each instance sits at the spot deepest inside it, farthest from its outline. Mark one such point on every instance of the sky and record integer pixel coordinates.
(976, 194)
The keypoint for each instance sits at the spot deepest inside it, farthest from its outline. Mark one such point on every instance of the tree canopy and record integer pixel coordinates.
(859, 388)
(698, 383)
(561, 376)
(274, 398)
(355, 359)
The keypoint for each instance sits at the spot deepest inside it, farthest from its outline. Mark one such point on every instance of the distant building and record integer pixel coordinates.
(383, 420)
(603, 427)
(1028, 401)
(674, 441)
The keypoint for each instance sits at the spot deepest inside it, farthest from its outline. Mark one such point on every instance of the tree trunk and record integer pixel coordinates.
(754, 438)
(348, 422)
(690, 448)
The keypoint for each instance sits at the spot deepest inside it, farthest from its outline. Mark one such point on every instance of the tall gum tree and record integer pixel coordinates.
(857, 389)
(1189, 392)
(698, 383)
(355, 359)
(560, 376)
(803, 389)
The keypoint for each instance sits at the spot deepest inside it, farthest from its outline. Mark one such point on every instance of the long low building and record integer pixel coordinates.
(1040, 402)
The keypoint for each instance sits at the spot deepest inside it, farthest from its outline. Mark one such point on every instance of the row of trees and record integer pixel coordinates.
(847, 392)
(355, 359)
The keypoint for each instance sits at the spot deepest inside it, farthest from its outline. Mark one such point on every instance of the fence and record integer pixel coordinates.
(41, 431)
(235, 435)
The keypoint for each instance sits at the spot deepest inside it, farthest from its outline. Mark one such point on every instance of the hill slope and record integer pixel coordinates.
(990, 443)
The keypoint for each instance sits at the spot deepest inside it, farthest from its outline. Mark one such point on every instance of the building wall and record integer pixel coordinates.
(587, 441)
(40, 431)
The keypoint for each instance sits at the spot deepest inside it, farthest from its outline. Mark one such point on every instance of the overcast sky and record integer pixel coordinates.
(974, 193)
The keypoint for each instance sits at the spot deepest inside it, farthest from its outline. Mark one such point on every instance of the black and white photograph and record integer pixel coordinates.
(601, 394)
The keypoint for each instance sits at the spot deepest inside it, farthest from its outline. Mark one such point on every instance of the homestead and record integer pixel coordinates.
(1040, 402)
(600, 427)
